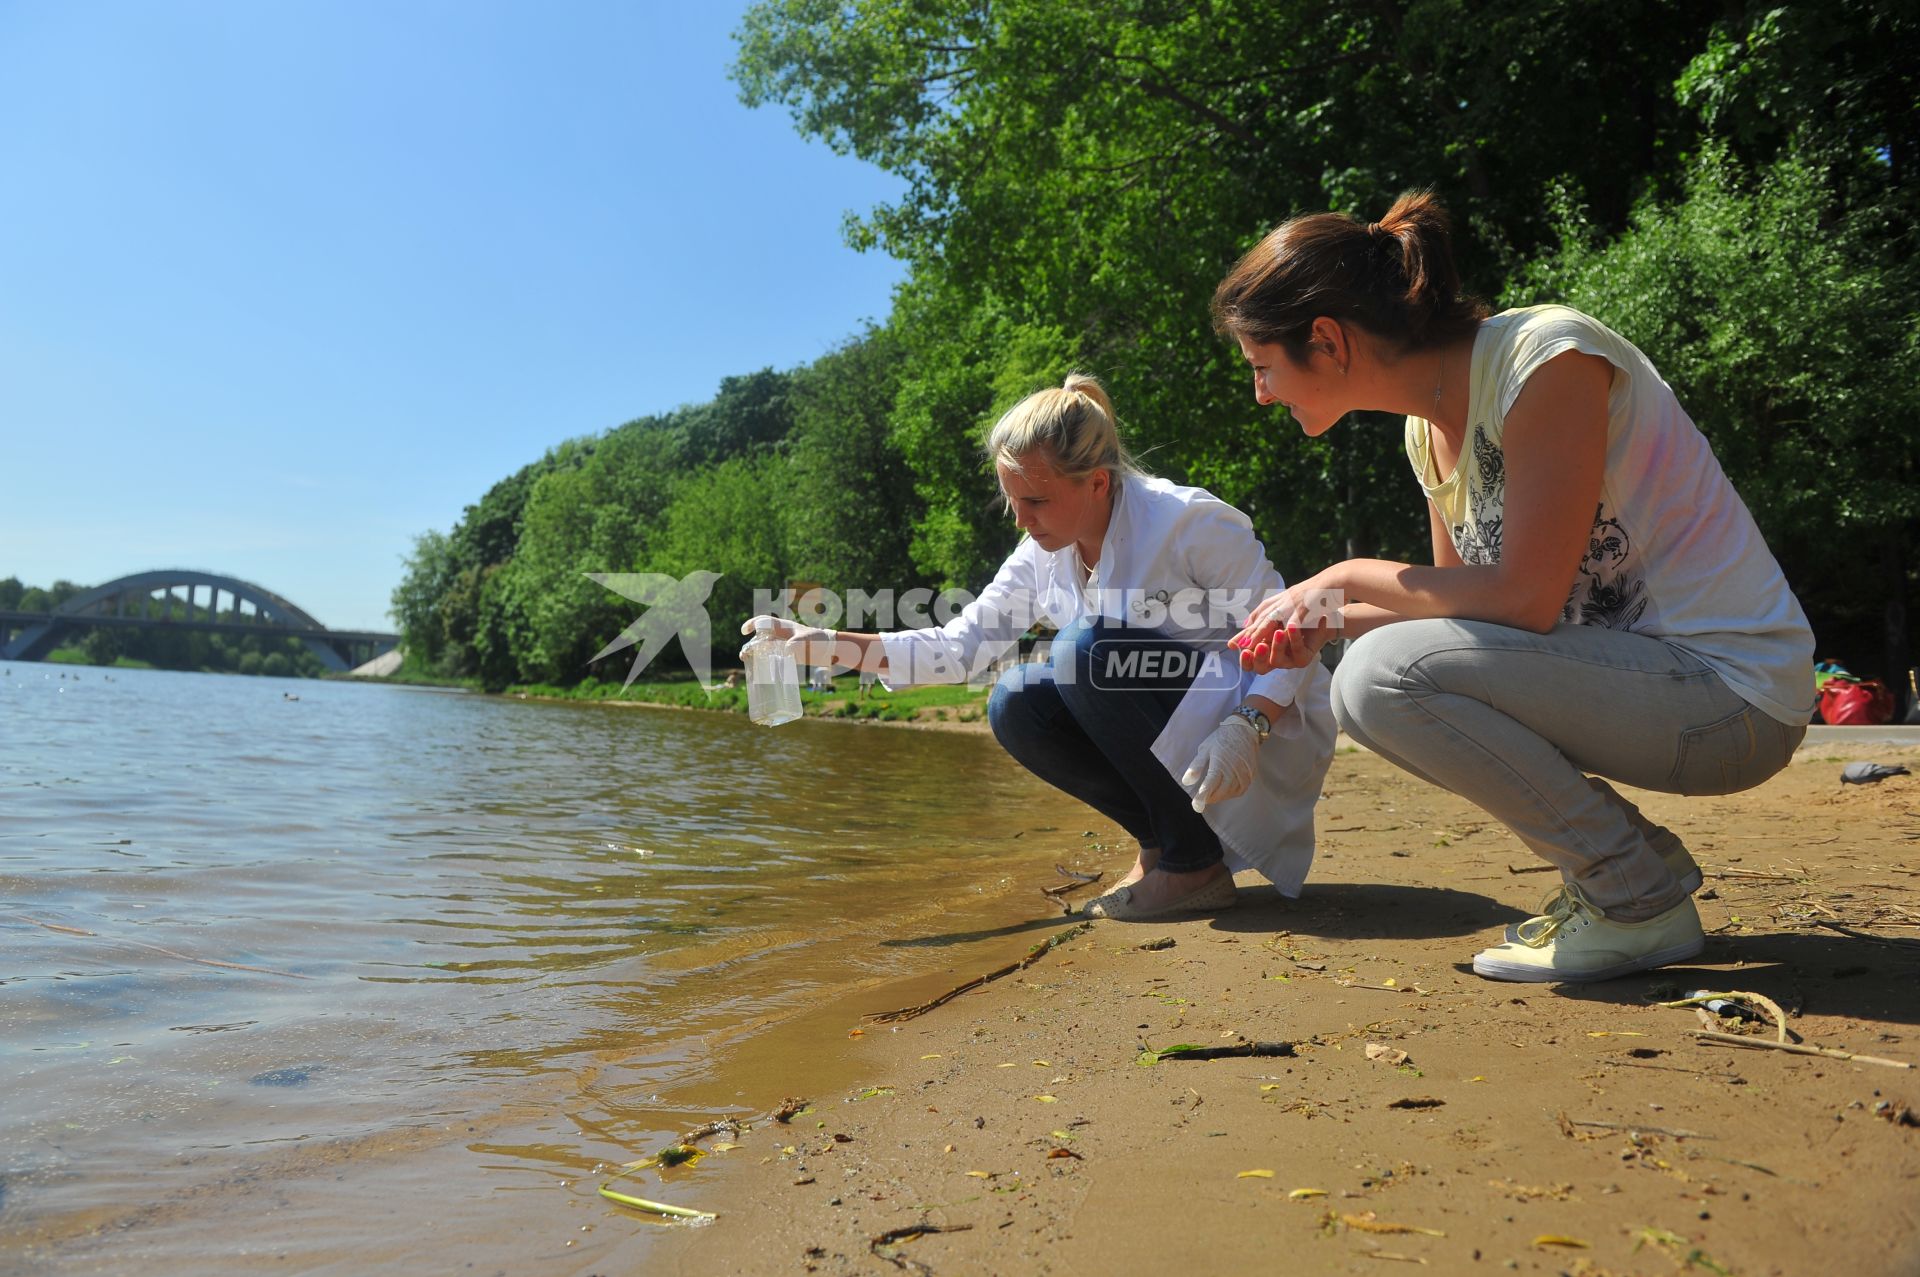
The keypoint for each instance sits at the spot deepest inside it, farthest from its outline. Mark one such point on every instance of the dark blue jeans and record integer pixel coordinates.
(1085, 723)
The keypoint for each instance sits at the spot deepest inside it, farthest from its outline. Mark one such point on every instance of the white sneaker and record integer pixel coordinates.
(1679, 860)
(1574, 941)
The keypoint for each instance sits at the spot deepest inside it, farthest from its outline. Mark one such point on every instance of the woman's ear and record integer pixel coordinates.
(1329, 338)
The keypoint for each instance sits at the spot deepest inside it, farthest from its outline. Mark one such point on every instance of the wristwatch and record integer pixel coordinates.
(1255, 719)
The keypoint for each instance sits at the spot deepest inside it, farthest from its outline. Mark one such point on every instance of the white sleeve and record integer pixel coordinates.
(1225, 556)
(983, 631)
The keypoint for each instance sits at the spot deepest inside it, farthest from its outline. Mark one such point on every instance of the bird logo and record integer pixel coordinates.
(676, 608)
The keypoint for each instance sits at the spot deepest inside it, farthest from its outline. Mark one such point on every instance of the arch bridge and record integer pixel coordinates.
(170, 598)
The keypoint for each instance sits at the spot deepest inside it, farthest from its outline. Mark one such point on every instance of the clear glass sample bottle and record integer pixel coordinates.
(773, 677)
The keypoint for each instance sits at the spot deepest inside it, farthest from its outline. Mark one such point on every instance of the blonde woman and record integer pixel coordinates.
(1138, 710)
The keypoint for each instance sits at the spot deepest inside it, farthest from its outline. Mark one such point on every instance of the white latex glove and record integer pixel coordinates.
(1225, 765)
(811, 644)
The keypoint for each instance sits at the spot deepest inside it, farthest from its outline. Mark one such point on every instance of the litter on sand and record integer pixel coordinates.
(1868, 773)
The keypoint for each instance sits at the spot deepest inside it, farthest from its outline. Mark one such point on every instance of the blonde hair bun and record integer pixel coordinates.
(1074, 424)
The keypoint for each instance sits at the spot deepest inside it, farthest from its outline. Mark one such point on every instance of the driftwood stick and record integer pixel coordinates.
(1634, 1128)
(883, 1245)
(1243, 1049)
(1033, 955)
(1074, 883)
(1796, 1048)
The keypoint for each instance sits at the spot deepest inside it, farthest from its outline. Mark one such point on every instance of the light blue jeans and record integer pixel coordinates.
(1516, 722)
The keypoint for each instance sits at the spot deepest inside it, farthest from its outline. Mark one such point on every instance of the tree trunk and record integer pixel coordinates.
(1898, 655)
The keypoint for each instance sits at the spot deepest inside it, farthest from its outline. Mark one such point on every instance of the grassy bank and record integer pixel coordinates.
(78, 656)
(939, 704)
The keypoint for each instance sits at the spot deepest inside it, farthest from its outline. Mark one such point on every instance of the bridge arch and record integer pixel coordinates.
(129, 601)
(274, 608)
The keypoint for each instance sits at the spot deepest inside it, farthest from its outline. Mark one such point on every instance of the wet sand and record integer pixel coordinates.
(1544, 1129)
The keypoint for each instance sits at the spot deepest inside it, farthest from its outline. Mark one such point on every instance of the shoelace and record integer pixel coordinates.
(1558, 909)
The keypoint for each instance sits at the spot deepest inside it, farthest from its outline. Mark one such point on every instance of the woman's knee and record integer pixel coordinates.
(1378, 671)
(1071, 650)
(1022, 701)
(1003, 704)
(1367, 669)
(1074, 651)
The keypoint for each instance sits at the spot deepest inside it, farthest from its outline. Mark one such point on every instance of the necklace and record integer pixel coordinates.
(1439, 381)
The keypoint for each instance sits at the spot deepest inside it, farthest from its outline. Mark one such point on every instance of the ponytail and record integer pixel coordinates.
(1394, 278)
(1073, 423)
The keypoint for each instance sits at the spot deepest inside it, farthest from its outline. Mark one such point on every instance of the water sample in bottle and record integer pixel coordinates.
(773, 677)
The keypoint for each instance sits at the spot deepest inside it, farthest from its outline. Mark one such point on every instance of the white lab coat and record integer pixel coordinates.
(1166, 547)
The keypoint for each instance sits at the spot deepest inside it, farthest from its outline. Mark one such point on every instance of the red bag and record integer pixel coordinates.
(1846, 702)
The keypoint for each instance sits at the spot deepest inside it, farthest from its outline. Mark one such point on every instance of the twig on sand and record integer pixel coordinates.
(1665, 1068)
(1632, 1128)
(882, 1246)
(1797, 1048)
(1760, 875)
(1270, 1049)
(1734, 1161)
(1074, 882)
(1892, 942)
(1530, 869)
(171, 953)
(1033, 955)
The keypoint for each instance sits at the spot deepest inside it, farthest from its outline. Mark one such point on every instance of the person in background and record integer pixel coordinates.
(1601, 606)
(1138, 710)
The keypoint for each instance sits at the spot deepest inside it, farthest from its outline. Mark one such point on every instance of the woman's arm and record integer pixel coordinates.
(1444, 553)
(986, 627)
(1555, 446)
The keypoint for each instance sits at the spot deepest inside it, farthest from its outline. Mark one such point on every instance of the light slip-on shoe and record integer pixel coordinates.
(1578, 942)
(1118, 903)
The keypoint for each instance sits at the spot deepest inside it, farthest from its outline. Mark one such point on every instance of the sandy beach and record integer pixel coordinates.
(1542, 1129)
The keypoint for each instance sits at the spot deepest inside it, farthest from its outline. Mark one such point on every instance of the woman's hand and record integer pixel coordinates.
(812, 645)
(1225, 765)
(1287, 630)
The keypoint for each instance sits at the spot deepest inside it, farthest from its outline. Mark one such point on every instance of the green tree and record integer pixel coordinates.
(598, 517)
(500, 631)
(417, 604)
(750, 414)
(849, 500)
(728, 519)
(103, 645)
(1095, 168)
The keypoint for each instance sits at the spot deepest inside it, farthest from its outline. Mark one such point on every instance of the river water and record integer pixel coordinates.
(375, 978)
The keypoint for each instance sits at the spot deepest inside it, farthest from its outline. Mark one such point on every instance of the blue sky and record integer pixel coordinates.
(284, 284)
